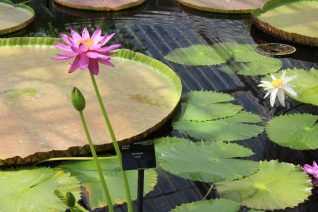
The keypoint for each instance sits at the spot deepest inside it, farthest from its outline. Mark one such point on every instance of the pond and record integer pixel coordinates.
(158, 27)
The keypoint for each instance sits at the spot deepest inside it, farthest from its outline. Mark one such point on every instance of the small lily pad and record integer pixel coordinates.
(302, 131)
(275, 186)
(214, 162)
(213, 205)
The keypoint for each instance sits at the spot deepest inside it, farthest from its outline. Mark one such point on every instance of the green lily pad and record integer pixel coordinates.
(275, 186)
(293, 20)
(205, 162)
(239, 127)
(213, 205)
(26, 190)
(197, 55)
(207, 97)
(243, 52)
(86, 172)
(302, 131)
(306, 84)
(263, 66)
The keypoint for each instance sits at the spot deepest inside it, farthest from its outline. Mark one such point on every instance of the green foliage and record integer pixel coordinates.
(206, 162)
(86, 172)
(215, 205)
(275, 186)
(35, 189)
(302, 131)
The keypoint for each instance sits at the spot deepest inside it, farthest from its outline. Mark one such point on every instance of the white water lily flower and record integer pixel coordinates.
(278, 87)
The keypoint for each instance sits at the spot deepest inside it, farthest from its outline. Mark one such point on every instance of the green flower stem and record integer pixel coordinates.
(99, 169)
(116, 146)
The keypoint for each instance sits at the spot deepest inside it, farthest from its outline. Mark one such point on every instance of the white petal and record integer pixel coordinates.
(289, 90)
(273, 77)
(273, 97)
(288, 79)
(281, 97)
(266, 95)
(283, 75)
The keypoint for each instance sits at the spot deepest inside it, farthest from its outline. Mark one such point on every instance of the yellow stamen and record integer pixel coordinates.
(88, 42)
(277, 83)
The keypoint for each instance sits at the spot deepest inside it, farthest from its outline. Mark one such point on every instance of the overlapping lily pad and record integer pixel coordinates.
(246, 59)
(214, 162)
(215, 205)
(302, 131)
(275, 186)
(293, 20)
(306, 84)
(86, 172)
(14, 17)
(34, 190)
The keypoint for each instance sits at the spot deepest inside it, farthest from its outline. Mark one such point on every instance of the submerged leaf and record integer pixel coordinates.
(233, 128)
(211, 162)
(213, 205)
(35, 190)
(86, 172)
(275, 186)
(302, 131)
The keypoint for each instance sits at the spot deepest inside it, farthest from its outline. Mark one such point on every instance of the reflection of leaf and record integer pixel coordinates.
(213, 205)
(233, 128)
(264, 66)
(86, 172)
(302, 131)
(275, 186)
(306, 85)
(207, 162)
(197, 55)
(34, 190)
(15, 93)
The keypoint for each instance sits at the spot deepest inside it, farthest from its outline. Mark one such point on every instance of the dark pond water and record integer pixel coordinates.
(160, 26)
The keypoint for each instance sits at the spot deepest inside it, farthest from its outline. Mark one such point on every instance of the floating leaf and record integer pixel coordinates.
(213, 205)
(233, 128)
(306, 84)
(34, 190)
(243, 52)
(212, 162)
(302, 131)
(197, 55)
(275, 186)
(264, 66)
(86, 172)
(207, 97)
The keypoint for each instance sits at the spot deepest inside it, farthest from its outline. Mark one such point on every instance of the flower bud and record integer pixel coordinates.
(78, 99)
(70, 200)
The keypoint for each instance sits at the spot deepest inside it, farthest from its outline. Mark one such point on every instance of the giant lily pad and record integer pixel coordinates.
(275, 186)
(224, 6)
(295, 20)
(213, 205)
(14, 17)
(86, 172)
(34, 190)
(302, 131)
(206, 162)
(109, 5)
(306, 84)
(38, 120)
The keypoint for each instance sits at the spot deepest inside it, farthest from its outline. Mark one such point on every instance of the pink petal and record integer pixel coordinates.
(83, 61)
(92, 55)
(74, 65)
(62, 46)
(85, 34)
(106, 38)
(107, 62)
(64, 56)
(65, 38)
(75, 49)
(93, 66)
(97, 36)
(109, 48)
(75, 35)
(83, 47)
(315, 164)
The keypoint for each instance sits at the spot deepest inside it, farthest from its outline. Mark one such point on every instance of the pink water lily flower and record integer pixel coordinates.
(87, 50)
(312, 170)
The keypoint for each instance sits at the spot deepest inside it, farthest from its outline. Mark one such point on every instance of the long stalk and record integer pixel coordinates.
(99, 169)
(114, 140)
